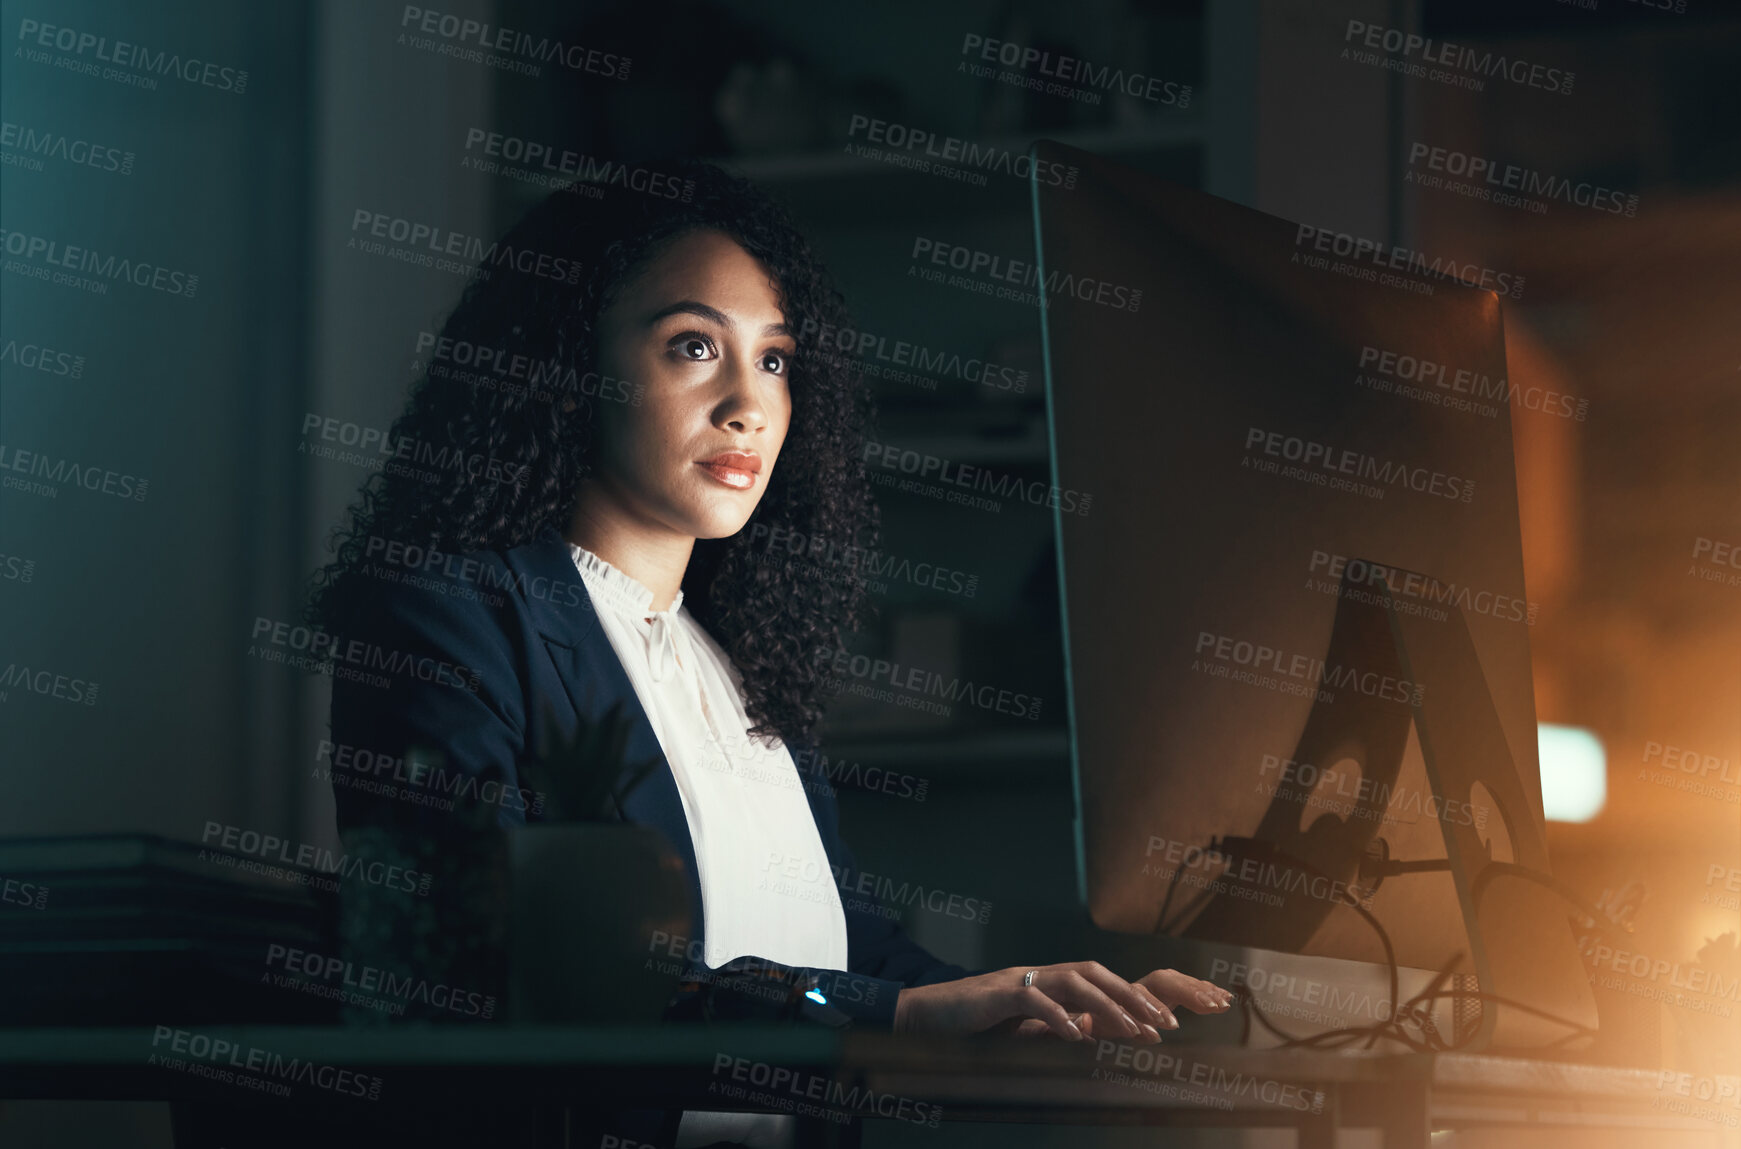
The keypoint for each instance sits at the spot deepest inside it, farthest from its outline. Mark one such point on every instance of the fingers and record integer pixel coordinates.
(1177, 989)
(1035, 1004)
(1034, 1027)
(1136, 1000)
(1091, 986)
(1166, 1020)
(1077, 1000)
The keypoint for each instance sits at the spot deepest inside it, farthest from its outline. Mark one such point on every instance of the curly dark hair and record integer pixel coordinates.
(772, 617)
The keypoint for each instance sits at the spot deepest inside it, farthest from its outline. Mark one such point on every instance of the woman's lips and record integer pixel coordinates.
(736, 478)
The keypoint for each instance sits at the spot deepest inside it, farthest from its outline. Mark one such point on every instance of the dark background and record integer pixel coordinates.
(206, 397)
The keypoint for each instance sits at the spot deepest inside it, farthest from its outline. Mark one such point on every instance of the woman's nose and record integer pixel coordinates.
(741, 408)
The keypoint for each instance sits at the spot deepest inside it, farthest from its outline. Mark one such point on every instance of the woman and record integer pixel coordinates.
(637, 407)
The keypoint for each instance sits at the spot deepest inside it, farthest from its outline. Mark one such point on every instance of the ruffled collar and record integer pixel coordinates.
(619, 591)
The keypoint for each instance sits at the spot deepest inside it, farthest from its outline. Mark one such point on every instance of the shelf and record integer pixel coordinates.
(837, 165)
(833, 185)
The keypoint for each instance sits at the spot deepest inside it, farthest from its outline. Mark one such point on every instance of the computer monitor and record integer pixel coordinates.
(1296, 628)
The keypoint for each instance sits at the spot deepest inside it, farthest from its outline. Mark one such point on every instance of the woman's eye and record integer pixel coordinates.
(693, 347)
(774, 362)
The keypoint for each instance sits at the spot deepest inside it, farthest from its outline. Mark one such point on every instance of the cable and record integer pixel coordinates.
(1394, 1028)
(1511, 869)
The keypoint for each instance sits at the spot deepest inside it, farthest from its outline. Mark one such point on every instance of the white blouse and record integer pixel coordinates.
(766, 888)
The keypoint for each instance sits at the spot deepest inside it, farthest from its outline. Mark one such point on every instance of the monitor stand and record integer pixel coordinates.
(1531, 991)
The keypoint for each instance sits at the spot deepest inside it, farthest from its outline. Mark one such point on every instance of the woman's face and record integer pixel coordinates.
(701, 332)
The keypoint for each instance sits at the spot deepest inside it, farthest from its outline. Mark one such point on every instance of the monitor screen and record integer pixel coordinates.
(1293, 456)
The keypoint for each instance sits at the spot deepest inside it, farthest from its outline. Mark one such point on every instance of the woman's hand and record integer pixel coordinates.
(1073, 1000)
(1175, 989)
(1172, 988)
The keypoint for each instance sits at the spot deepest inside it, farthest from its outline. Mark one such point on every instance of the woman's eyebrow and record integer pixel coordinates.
(712, 315)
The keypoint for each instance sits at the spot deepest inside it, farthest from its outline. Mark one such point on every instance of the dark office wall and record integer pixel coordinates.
(138, 608)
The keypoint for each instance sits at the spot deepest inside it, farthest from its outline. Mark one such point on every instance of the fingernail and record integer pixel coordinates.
(1075, 1034)
(1154, 1009)
(1169, 1021)
(1130, 1025)
(1206, 1001)
(1152, 1032)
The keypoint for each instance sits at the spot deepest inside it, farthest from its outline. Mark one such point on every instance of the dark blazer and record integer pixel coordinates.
(523, 624)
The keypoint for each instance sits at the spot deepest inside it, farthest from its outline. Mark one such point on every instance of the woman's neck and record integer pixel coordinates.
(654, 557)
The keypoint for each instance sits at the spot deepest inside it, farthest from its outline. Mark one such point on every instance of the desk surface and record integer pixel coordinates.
(969, 1079)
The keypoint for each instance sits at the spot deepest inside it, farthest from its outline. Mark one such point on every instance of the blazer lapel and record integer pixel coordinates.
(593, 679)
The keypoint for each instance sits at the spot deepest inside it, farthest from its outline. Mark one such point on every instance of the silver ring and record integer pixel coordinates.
(1028, 978)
